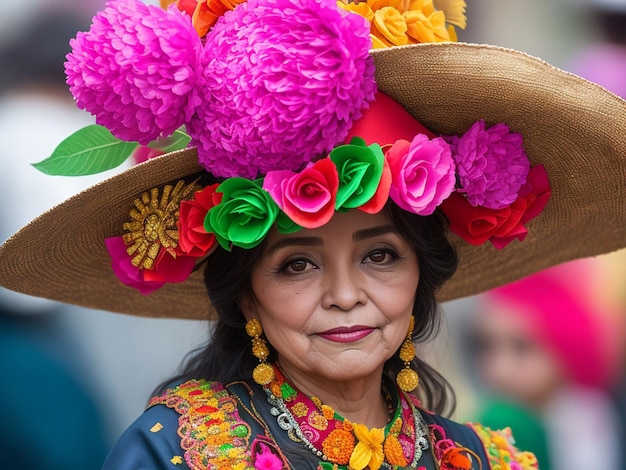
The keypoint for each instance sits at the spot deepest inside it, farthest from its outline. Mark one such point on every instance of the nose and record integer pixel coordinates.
(344, 287)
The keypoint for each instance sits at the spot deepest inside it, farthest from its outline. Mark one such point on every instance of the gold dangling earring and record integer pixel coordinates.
(407, 379)
(263, 373)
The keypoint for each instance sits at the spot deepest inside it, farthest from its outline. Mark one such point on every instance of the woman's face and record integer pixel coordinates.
(335, 301)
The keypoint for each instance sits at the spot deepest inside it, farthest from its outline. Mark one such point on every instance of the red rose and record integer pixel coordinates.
(476, 225)
(193, 239)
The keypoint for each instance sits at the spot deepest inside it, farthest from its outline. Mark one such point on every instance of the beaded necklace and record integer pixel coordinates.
(336, 441)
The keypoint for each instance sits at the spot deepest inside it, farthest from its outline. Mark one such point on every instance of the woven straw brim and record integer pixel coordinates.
(575, 128)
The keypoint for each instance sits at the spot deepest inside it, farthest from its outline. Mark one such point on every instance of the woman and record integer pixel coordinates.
(314, 206)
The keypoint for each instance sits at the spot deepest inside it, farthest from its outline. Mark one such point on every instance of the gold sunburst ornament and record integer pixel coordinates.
(154, 223)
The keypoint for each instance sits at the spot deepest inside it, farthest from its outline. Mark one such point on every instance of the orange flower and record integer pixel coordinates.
(276, 390)
(204, 13)
(393, 452)
(338, 446)
(328, 412)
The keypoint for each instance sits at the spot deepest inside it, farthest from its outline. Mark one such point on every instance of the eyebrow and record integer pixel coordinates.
(373, 232)
(318, 241)
(295, 241)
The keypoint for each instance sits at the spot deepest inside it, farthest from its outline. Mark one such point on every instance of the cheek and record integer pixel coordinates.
(398, 299)
(280, 305)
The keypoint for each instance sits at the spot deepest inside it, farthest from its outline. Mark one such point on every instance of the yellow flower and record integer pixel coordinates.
(454, 11)
(369, 450)
(390, 27)
(424, 23)
(299, 410)
(400, 22)
(527, 460)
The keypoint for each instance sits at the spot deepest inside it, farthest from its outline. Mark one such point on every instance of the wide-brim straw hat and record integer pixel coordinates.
(575, 128)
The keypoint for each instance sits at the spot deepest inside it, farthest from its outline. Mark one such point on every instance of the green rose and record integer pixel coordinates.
(245, 215)
(360, 170)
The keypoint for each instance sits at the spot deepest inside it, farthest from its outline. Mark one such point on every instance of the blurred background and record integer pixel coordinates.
(73, 379)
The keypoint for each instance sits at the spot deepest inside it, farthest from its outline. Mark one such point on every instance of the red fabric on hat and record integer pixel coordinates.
(386, 121)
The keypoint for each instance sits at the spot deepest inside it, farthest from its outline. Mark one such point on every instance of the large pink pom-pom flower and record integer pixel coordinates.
(285, 80)
(491, 163)
(136, 70)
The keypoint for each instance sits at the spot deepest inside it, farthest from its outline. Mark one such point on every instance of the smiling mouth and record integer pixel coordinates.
(347, 334)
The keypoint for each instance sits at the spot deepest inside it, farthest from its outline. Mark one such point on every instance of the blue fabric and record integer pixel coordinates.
(140, 448)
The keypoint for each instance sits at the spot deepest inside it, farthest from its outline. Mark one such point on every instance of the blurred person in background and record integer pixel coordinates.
(49, 417)
(548, 350)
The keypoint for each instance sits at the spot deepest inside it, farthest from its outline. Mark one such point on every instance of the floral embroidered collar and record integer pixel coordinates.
(339, 442)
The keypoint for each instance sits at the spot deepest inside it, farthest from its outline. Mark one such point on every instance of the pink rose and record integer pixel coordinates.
(422, 173)
(308, 197)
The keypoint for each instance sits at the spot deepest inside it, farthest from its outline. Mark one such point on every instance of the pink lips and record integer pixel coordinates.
(347, 334)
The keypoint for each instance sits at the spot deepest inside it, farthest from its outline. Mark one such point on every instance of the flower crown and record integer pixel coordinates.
(268, 92)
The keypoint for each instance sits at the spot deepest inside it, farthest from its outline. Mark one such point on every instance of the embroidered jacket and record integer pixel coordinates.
(202, 425)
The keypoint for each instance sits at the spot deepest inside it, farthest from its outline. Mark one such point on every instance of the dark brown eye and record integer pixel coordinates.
(298, 265)
(378, 256)
(382, 256)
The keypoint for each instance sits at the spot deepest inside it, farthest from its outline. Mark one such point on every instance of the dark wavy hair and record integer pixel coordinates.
(228, 357)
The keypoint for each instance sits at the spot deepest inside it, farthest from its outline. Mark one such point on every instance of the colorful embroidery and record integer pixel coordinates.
(501, 450)
(212, 433)
(341, 444)
(449, 455)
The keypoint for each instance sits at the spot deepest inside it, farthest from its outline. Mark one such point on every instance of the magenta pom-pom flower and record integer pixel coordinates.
(491, 163)
(285, 80)
(136, 70)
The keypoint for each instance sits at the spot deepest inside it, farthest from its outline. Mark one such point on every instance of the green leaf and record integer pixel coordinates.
(177, 141)
(92, 149)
